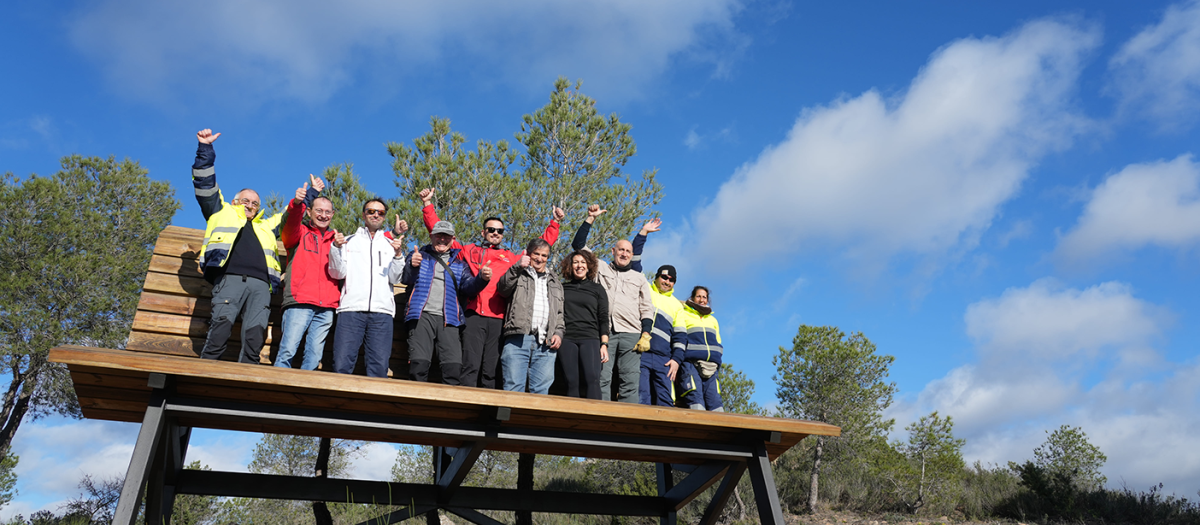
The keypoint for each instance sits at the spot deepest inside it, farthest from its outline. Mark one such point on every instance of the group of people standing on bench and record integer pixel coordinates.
(495, 318)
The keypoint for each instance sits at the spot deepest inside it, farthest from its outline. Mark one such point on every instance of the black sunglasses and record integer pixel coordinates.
(490, 229)
(666, 277)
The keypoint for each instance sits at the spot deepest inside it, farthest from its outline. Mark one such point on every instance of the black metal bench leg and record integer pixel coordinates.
(666, 482)
(765, 493)
(525, 484)
(713, 512)
(150, 438)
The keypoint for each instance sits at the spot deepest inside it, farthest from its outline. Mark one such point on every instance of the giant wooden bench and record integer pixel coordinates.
(158, 381)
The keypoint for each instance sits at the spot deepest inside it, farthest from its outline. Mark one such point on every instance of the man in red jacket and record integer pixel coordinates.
(484, 325)
(310, 295)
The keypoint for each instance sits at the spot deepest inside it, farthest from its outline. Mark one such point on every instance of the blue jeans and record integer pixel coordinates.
(356, 330)
(297, 320)
(525, 362)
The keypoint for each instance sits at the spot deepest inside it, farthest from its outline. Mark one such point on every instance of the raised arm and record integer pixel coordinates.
(396, 268)
(581, 235)
(337, 267)
(429, 215)
(552, 229)
(204, 177)
(291, 222)
(639, 242)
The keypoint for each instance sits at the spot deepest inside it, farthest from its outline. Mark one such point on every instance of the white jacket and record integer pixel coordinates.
(370, 268)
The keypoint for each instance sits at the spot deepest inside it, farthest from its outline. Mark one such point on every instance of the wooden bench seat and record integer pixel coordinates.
(158, 381)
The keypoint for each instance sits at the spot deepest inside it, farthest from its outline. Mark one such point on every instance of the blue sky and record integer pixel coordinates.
(1003, 196)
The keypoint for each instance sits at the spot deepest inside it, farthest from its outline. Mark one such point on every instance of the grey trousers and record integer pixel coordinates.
(628, 368)
(231, 295)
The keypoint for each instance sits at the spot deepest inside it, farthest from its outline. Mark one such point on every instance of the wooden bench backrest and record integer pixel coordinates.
(173, 312)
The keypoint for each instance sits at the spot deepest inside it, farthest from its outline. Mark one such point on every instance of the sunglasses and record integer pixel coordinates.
(490, 229)
(372, 212)
(666, 277)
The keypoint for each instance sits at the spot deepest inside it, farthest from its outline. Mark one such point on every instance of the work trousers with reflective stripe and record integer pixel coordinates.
(233, 295)
(655, 388)
(697, 392)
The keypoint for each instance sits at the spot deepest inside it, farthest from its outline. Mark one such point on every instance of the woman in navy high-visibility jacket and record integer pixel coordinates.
(698, 335)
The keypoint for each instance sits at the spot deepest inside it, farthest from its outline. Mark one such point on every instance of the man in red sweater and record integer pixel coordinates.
(310, 295)
(484, 325)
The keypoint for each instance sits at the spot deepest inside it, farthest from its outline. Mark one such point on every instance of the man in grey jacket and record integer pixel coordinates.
(533, 326)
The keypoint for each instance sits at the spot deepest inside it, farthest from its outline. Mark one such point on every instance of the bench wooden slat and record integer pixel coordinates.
(173, 344)
(191, 326)
(175, 266)
(175, 284)
(174, 304)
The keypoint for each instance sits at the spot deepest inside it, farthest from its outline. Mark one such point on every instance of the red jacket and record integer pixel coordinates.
(488, 303)
(307, 280)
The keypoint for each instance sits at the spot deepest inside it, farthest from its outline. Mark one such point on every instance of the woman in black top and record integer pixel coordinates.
(585, 313)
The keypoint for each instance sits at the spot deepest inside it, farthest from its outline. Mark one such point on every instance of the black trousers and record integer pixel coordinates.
(481, 350)
(579, 362)
(426, 333)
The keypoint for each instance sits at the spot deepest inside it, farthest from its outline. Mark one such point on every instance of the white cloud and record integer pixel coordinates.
(924, 173)
(1050, 355)
(1020, 230)
(374, 461)
(308, 50)
(1158, 70)
(694, 140)
(55, 456)
(1152, 204)
(1047, 322)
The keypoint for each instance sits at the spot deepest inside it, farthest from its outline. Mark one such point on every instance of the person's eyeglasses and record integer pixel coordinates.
(323, 214)
(246, 202)
(666, 278)
(490, 229)
(372, 212)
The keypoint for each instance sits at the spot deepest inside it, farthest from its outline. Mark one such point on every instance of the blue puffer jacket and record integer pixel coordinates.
(462, 284)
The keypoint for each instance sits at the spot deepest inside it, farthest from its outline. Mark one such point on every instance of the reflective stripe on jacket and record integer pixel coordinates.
(225, 221)
(666, 309)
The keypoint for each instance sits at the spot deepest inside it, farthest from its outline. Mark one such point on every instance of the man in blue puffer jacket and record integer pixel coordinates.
(438, 277)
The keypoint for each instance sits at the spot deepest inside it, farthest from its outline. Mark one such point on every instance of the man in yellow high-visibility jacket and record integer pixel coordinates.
(240, 258)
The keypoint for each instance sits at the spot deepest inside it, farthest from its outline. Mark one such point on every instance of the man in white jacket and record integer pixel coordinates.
(370, 261)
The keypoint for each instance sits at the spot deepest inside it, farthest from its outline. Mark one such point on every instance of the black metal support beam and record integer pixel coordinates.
(666, 482)
(404, 514)
(474, 516)
(765, 493)
(144, 452)
(525, 485)
(462, 459)
(721, 498)
(583, 442)
(168, 463)
(242, 485)
(697, 482)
